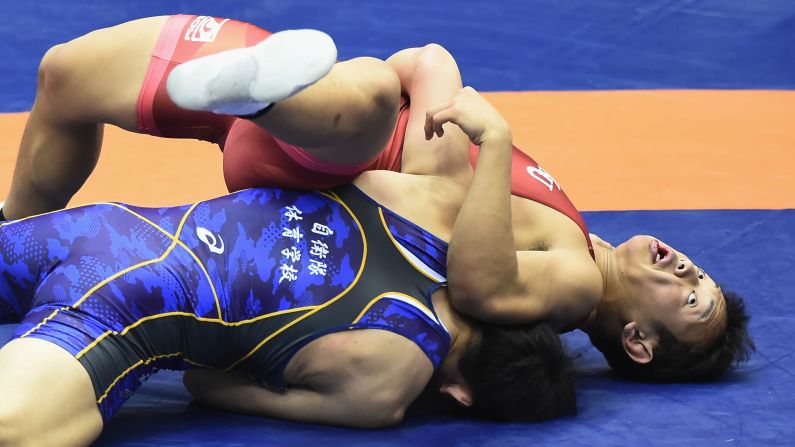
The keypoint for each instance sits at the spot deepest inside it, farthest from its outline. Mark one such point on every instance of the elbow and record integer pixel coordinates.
(479, 293)
(463, 300)
(393, 418)
(468, 282)
(383, 418)
(462, 285)
(470, 298)
(394, 410)
(387, 409)
(487, 306)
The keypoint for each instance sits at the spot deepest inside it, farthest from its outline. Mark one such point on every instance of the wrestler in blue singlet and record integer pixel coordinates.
(238, 283)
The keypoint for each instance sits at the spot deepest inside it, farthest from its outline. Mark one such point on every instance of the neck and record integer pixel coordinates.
(461, 332)
(609, 310)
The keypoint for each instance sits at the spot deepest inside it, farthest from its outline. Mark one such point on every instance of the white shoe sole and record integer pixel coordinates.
(289, 61)
(273, 70)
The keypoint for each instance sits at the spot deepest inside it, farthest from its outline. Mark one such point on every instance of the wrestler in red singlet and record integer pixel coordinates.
(254, 157)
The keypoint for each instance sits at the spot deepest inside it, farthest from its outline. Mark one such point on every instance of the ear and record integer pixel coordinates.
(638, 345)
(460, 392)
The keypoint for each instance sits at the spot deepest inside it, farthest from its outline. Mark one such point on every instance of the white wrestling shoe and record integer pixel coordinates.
(246, 80)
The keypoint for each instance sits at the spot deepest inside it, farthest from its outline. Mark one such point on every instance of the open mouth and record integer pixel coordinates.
(660, 253)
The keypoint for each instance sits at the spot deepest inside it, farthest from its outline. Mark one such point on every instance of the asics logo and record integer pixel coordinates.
(213, 241)
(543, 177)
(204, 29)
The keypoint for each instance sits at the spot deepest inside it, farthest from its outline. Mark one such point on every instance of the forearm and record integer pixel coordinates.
(482, 256)
(221, 390)
(241, 395)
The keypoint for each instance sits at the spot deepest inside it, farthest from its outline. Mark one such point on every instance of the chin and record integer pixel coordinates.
(637, 242)
(636, 248)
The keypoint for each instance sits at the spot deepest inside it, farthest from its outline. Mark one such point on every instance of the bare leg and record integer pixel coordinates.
(82, 84)
(47, 397)
(346, 117)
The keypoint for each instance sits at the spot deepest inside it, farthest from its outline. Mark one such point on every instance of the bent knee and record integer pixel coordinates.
(378, 87)
(54, 68)
(383, 84)
(59, 70)
(432, 55)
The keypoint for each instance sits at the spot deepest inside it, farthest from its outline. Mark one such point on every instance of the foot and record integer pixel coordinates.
(244, 81)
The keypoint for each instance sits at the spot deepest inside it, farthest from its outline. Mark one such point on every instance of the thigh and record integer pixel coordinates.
(97, 77)
(56, 258)
(255, 158)
(345, 118)
(47, 396)
(182, 39)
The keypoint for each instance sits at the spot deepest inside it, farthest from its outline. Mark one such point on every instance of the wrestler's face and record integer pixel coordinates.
(670, 290)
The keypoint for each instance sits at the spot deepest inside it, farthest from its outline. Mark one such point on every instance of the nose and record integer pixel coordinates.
(686, 269)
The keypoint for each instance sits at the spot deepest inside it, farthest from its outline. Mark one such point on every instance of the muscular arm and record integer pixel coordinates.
(482, 265)
(488, 279)
(363, 378)
(428, 76)
(335, 406)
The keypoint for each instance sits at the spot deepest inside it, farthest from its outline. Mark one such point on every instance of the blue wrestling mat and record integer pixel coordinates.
(753, 406)
(518, 46)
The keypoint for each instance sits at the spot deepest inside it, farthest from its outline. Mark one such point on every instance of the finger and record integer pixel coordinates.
(429, 113)
(428, 126)
(433, 110)
(441, 117)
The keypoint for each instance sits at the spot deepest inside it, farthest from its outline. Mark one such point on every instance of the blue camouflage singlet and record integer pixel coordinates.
(238, 283)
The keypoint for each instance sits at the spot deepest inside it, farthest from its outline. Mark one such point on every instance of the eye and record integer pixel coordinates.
(700, 274)
(692, 299)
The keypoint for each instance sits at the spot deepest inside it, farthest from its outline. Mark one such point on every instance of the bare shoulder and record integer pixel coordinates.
(380, 354)
(432, 202)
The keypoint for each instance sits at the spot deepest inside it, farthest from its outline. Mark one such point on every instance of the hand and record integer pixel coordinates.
(472, 113)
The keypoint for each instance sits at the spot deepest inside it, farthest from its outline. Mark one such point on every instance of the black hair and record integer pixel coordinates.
(674, 361)
(518, 373)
